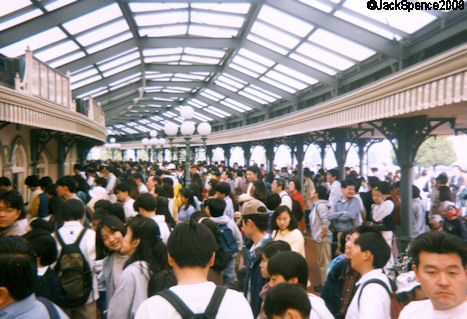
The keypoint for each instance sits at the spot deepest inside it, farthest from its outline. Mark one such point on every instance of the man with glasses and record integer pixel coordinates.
(344, 213)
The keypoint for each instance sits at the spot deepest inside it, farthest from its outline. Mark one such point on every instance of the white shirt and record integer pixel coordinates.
(375, 302)
(163, 227)
(285, 199)
(99, 192)
(90, 181)
(318, 308)
(424, 309)
(142, 188)
(111, 181)
(380, 211)
(335, 193)
(69, 233)
(197, 298)
(128, 208)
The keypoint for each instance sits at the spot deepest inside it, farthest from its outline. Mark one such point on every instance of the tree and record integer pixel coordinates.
(436, 151)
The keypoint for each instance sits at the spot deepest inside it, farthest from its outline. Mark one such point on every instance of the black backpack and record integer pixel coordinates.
(228, 241)
(73, 272)
(186, 313)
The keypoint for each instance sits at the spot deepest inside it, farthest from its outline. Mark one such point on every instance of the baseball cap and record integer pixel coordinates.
(435, 218)
(451, 210)
(254, 207)
(171, 166)
(406, 282)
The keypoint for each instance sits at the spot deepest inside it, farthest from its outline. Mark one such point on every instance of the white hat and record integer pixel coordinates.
(435, 218)
(406, 282)
(171, 166)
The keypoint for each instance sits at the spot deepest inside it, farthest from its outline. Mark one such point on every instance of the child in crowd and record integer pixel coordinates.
(287, 301)
(44, 249)
(291, 267)
(270, 249)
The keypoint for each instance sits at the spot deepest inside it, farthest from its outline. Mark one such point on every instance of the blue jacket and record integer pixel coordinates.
(346, 214)
(254, 282)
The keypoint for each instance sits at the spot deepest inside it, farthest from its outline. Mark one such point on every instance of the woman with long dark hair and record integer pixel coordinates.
(188, 206)
(147, 257)
(285, 227)
(110, 232)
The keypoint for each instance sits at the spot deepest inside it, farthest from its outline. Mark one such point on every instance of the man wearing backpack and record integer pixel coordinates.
(76, 257)
(372, 298)
(231, 237)
(191, 250)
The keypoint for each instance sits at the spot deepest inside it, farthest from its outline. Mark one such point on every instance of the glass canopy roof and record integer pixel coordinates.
(143, 60)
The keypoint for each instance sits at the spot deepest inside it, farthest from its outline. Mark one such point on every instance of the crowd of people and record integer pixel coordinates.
(133, 240)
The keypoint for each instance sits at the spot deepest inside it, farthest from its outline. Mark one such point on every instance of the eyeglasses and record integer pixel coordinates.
(7, 209)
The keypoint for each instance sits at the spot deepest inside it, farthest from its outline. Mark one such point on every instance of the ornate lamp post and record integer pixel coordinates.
(153, 142)
(161, 143)
(145, 142)
(187, 129)
(204, 129)
(171, 130)
(112, 146)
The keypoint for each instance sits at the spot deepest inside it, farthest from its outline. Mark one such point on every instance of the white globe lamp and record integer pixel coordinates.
(187, 112)
(187, 128)
(204, 129)
(170, 129)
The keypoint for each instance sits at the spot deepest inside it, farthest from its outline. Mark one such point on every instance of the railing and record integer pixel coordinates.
(40, 80)
(95, 112)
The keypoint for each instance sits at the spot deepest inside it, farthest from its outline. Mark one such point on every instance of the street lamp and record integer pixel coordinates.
(112, 146)
(145, 142)
(187, 129)
(204, 129)
(161, 143)
(153, 142)
(171, 130)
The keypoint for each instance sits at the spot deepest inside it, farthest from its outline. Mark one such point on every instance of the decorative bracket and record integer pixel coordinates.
(407, 134)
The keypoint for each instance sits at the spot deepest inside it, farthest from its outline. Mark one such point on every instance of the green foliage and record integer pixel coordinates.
(436, 151)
